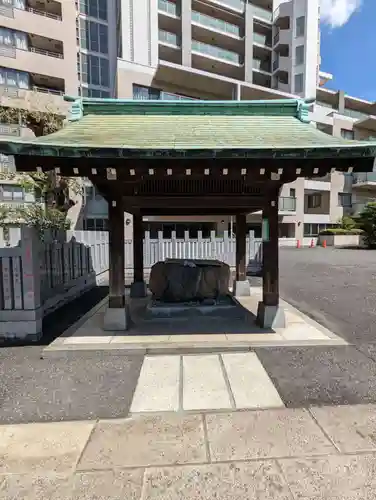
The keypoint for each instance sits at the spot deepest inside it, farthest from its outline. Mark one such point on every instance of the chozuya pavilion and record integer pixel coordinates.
(191, 158)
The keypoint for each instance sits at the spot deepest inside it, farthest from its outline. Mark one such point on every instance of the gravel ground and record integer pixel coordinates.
(80, 386)
(336, 287)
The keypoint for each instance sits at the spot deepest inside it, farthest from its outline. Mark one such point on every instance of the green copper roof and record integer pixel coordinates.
(117, 128)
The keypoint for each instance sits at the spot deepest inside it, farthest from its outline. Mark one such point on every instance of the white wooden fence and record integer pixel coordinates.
(38, 276)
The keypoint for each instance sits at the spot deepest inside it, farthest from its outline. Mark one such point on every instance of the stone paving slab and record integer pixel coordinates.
(264, 434)
(351, 428)
(54, 447)
(265, 455)
(204, 382)
(240, 481)
(332, 478)
(144, 441)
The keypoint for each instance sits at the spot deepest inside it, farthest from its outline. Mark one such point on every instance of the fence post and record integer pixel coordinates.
(30, 255)
(147, 251)
(160, 247)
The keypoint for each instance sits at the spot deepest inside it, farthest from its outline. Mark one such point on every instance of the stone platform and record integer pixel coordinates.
(230, 329)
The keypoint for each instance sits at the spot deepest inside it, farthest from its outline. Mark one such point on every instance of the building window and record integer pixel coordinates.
(347, 134)
(94, 36)
(300, 26)
(299, 55)
(344, 199)
(94, 70)
(13, 78)
(95, 224)
(299, 83)
(293, 193)
(10, 192)
(314, 200)
(315, 229)
(94, 8)
(149, 93)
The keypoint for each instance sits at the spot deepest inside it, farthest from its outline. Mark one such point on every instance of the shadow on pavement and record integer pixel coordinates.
(58, 321)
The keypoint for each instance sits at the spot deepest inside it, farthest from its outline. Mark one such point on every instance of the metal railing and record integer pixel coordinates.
(11, 130)
(44, 13)
(9, 91)
(217, 24)
(44, 90)
(8, 51)
(217, 52)
(48, 53)
(362, 178)
(287, 204)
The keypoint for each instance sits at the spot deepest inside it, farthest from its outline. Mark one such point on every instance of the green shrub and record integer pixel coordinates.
(367, 221)
(341, 231)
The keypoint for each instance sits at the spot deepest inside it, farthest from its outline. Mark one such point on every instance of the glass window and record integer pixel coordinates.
(314, 200)
(299, 83)
(84, 68)
(344, 199)
(347, 134)
(84, 34)
(102, 9)
(299, 55)
(84, 6)
(103, 39)
(104, 72)
(93, 8)
(293, 193)
(94, 36)
(300, 26)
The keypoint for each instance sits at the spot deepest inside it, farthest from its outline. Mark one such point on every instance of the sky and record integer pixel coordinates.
(348, 46)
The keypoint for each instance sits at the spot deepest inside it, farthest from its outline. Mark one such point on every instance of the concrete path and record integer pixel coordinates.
(204, 382)
(316, 454)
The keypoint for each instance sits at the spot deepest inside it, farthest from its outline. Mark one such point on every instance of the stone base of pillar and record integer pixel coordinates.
(138, 289)
(241, 289)
(270, 316)
(116, 319)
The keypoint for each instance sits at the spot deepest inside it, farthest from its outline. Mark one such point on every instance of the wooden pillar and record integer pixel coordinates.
(116, 253)
(138, 248)
(270, 283)
(241, 243)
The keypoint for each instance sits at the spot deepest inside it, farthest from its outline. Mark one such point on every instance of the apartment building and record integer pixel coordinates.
(185, 49)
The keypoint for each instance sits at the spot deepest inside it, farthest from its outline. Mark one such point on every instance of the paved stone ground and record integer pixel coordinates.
(285, 454)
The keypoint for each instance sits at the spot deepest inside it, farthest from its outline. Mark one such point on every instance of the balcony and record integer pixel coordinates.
(169, 8)
(215, 52)
(364, 180)
(281, 65)
(47, 21)
(215, 24)
(281, 42)
(359, 205)
(237, 5)
(10, 130)
(262, 14)
(263, 40)
(282, 14)
(287, 204)
(262, 65)
(168, 38)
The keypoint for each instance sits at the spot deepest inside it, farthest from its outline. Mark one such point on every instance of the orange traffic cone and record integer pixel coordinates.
(297, 243)
(312, 244)
(324, 244)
